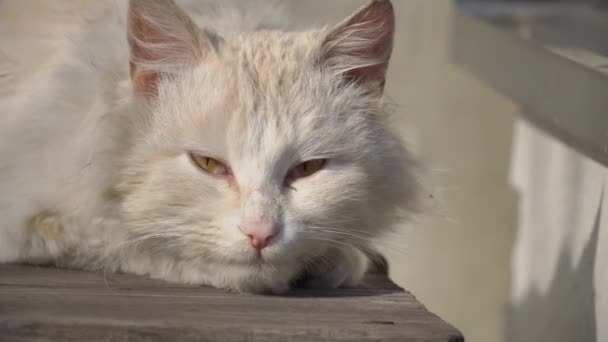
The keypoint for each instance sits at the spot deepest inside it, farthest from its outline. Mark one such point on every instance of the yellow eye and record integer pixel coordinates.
(306, 169)
(210, 165)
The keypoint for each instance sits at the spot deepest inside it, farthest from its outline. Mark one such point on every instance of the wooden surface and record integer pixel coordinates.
(46, 304)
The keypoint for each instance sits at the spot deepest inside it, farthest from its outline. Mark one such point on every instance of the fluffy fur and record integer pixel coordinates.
(94, 167)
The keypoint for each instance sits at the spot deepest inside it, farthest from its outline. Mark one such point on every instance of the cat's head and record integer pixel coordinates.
(261, 148)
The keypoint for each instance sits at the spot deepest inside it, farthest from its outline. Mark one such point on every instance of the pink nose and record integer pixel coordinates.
(259, 233)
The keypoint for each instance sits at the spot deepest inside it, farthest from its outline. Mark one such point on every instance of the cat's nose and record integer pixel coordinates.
(259, 233)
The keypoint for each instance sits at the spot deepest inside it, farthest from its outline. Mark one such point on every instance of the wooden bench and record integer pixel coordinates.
(42, 304)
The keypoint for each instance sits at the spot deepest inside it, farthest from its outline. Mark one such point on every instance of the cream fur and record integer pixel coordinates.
(95, 177)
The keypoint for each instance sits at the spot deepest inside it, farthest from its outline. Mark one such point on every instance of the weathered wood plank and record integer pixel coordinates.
(53, 304)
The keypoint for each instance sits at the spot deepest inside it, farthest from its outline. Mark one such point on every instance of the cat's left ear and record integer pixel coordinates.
(162, 40)
(359, 48)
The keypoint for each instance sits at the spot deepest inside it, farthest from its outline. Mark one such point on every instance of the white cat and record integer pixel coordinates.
(201, 144)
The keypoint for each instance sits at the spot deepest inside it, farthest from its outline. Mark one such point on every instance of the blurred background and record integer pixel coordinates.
(504, 103)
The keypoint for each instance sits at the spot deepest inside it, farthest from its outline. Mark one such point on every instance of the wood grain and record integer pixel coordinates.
(47, 304)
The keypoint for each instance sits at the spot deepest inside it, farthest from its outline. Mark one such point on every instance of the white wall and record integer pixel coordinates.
(560, 273)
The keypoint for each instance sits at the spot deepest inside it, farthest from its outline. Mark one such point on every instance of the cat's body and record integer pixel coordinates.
(96, 167)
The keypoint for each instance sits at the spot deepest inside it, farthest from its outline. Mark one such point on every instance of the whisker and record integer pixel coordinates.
(341, 243)
(361, 237)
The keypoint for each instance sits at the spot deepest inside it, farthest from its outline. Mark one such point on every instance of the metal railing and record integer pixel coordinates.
(551, 57)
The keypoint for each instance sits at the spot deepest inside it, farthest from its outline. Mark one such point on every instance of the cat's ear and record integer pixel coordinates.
(162, 40)
(359, 48)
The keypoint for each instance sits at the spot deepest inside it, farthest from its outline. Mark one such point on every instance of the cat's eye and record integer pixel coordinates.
(209, 165)
(305, 169)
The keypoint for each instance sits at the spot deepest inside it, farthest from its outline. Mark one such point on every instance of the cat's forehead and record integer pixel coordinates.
(273, 77)
(265, 92)
(261, 51)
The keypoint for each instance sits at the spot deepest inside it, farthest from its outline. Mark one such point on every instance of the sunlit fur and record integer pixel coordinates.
(93, 176)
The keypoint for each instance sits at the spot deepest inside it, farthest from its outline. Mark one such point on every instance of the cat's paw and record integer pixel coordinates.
(344, 267)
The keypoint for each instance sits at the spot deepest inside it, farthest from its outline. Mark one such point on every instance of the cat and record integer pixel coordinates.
(204, 143)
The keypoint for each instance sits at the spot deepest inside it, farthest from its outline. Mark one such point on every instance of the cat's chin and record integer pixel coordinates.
(252, 258)
(259, 277)
(253, 276)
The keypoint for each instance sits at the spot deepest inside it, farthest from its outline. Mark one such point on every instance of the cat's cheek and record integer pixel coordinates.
(333, 194)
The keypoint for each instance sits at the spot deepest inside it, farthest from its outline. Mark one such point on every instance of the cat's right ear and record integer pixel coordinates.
(163, 40)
